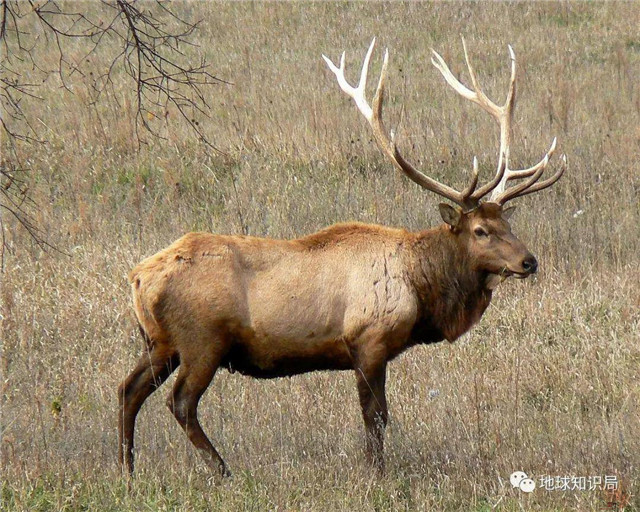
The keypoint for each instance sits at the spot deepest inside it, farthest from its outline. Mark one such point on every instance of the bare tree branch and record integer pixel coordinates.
(150, 43)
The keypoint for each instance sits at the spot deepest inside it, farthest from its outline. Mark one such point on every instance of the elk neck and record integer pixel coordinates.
(452, 293)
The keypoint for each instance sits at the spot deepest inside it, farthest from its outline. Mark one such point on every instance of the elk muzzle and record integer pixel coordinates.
(530, 264)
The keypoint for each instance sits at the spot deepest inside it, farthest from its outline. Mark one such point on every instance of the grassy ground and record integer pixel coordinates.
(548, 382)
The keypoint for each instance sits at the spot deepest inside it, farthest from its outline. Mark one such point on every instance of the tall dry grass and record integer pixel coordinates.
(548, 382)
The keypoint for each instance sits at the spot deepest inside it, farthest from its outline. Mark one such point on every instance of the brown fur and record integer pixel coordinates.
(352, 296)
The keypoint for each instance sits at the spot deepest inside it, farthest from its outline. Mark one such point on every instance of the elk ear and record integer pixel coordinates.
(508, 212)
(450, 214)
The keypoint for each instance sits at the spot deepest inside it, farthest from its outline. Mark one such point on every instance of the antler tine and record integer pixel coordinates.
(511, 174)
(514, 191)
(357, 93)
(476, 96)
(466, 193)
(549, 181)
(534, 187)
(482, 98)
(497, 179)
(384, 140)
(511, 94)
(458, 86)
(524, 173)
(378, 98)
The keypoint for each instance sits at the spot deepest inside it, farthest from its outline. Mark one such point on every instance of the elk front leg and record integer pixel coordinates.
(371, 381)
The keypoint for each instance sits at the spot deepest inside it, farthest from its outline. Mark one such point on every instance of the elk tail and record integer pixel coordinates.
(143, 307)
(145, 336)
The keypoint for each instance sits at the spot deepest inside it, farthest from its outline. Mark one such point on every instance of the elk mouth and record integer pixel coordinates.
(505, 272)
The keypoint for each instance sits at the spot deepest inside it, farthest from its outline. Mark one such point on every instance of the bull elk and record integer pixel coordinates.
(350, 297)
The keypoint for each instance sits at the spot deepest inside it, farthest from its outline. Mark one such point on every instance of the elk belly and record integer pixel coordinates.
(270, 358)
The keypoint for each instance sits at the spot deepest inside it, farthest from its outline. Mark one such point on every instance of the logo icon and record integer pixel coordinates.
(520, 480)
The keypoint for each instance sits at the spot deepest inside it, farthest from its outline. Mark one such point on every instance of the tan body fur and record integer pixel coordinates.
(285, 307)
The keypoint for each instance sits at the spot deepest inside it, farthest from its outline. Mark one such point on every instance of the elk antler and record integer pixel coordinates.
(465, 199)
(503, 115)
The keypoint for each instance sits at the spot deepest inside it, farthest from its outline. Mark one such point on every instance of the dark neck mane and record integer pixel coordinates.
(452, 295)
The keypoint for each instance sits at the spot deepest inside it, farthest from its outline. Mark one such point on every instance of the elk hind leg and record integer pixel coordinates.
(153, 368)
(193, 379)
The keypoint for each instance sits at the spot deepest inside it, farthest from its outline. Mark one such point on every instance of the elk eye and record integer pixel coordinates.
(480, 232)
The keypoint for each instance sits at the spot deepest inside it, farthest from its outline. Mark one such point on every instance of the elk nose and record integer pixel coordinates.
(530, 264)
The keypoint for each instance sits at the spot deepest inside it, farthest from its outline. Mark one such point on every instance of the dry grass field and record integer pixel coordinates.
(548, 382)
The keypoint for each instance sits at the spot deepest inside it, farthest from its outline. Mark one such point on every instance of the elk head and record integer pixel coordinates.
(484, 233)
(481, 227)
